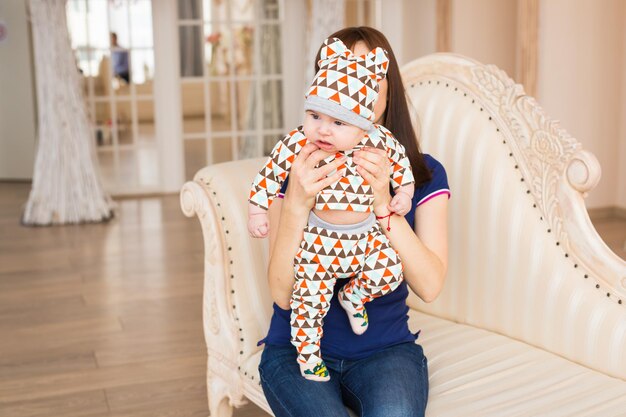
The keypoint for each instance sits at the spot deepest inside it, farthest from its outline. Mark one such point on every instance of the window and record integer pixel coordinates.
(231, 79)
(113, 45)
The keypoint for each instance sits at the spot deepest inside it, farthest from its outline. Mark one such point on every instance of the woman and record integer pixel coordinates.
(382, 372)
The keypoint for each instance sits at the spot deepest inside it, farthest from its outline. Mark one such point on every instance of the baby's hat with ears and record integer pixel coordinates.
(346, 86)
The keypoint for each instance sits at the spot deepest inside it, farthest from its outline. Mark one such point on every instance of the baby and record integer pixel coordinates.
(342, 238)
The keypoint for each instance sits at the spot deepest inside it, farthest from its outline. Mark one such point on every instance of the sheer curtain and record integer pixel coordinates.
(271, 102)
(324, 18)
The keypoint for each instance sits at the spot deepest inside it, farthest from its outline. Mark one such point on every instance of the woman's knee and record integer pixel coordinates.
(398, 409)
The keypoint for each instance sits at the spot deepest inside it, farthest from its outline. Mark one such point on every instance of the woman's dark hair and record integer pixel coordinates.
(396, 117)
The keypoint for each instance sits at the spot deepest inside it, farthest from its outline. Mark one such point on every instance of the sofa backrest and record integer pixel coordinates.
(524, 259)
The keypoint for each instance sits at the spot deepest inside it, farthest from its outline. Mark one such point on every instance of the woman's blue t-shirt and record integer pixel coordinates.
(388, 315)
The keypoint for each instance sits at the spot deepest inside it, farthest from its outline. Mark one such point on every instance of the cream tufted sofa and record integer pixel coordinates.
(532, 319)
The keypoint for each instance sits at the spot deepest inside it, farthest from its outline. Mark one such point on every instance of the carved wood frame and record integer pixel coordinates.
(557, 171)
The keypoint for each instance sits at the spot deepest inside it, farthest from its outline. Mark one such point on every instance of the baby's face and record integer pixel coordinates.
(330, 134)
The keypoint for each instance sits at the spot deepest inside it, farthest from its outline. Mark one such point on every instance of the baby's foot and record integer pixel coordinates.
(314, 371)
(357, 316)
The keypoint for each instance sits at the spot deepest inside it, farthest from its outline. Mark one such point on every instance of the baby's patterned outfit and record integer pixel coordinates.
(362, 253)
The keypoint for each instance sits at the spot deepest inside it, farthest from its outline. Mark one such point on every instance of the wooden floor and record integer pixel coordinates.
(105, 319)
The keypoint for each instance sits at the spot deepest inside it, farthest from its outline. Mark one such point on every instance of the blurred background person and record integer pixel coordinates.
(119, 59)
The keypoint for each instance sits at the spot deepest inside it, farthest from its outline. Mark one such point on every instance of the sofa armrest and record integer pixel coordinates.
(237, 301)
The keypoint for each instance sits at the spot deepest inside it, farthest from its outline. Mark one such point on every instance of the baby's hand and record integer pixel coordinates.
(400, 203)
(258, 225)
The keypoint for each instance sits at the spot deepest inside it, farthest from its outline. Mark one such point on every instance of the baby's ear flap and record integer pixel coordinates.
(378, 62)
(333, 48)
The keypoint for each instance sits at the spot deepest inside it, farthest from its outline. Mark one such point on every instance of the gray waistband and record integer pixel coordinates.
(354, 228)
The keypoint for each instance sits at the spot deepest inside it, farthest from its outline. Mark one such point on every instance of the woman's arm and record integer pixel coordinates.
(424, 251)
(289, 217)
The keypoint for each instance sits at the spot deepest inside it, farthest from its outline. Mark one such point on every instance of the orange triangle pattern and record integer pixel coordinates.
(325, 255)
(351, 192)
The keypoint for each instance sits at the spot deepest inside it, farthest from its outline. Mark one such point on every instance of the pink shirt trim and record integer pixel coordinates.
(433, 195)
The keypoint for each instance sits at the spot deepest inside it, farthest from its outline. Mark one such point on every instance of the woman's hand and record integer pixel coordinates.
(373, 165)
(305, 180)
(290, 216)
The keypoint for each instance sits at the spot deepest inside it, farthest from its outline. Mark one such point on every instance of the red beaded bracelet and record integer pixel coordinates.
(388, 221)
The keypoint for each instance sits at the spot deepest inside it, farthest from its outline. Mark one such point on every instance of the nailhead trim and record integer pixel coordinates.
(232, 276)
(586, 276)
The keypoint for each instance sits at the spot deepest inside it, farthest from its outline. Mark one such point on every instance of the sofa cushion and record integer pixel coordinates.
(478, 372)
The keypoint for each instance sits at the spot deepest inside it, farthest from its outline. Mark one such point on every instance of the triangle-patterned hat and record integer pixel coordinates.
(346, 85)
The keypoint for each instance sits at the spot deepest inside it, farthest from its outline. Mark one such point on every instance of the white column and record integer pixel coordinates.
(167, 100)
(17, 98)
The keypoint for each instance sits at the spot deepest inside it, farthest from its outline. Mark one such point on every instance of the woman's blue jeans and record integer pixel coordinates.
(389, 383)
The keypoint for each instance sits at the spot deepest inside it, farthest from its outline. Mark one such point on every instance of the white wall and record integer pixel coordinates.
(581, 72)
(419, 29)
(486, 30)
(293, 64)
(392, 26)
(17, 103)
